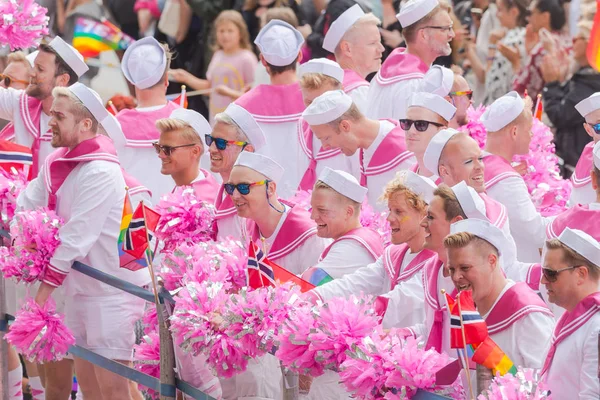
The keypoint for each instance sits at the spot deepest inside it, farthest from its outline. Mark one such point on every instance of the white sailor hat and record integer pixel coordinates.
(193, 119)
(90, 99)
(413, 10)
(323, 66)
(434, 149)
(433, 102)
(418, 184)
(144, 63)
(327, 107)
(69, 55)
(582, 243)
(247, 124)
(261, 164)
(340, 26)
(343, 183)
(279, 43)
(502, 112)
(470, 201)
(596, 153)
(31, 57)
(485, 230)
(589, 104)
(437, 80)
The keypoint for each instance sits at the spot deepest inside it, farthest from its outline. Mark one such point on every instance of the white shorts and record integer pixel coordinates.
(105, 324)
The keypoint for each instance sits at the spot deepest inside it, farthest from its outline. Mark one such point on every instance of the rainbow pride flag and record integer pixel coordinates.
(491, 356)
(126, 260)
(316, 276)
(593, 48)
(91, 37)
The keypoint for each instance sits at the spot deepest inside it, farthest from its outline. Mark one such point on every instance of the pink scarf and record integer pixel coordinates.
(400, 66)
(274, 103)
(31, 112)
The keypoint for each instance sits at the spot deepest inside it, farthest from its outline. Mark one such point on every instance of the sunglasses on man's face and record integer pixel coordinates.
(551, 275)
(420, 125)
(8, 80)
(169, 149)
(243, 188)
(222, 143)
(468, 93)
(595, 127)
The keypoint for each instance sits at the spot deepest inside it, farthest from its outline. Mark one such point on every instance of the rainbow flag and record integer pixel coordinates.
(91, 37)
(127, 260)
(593, 48)
(316, 276)
(491, 356)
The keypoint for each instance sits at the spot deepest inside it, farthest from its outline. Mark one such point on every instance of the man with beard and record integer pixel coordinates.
(57, 64)
(427, 29)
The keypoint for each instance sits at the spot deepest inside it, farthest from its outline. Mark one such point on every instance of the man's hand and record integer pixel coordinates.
(44, 291)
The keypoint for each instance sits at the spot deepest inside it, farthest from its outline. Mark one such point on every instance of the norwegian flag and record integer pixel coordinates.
(262, 272)
(475, 328)
(139, 233)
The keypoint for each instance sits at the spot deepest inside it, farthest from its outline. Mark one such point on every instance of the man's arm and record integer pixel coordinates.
(9, 103)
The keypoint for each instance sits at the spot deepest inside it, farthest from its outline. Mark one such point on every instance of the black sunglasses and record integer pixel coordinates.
(551, 275)
(420, 125)
(222, 143)
(243, 188)
(169, 149)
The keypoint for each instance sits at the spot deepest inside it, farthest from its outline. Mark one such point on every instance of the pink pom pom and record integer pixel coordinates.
(35, 235)
(23, 23)
(11, 185)
(150, 320)
(39, 333)
(475, 127)
(184, 218)
(146, 359)
(376, 221)
(525, 385)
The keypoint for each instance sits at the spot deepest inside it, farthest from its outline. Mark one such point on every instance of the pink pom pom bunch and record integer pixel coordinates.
(525, 385)
(39, 333)
(376, 221)
(11, 185)
(184, 218)
(146, 359)
(35, 235)
(23, 23)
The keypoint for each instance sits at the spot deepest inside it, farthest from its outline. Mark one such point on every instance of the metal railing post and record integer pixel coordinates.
(484, 378)
(291, 385)
(167, 354)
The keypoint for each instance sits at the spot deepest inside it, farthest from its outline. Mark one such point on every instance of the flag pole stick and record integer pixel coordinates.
(462, 330)
(148, 260)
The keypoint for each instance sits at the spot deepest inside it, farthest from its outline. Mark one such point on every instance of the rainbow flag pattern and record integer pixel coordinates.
(126, 260)
(316, 276)
(593, 48)
(91, 37)
(491, 356)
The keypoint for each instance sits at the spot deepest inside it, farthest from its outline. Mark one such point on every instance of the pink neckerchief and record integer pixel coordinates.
(305, 139)
(133, 185)
(390, 153)
(30, 110)
(581, 176)
(496, 170)
(139, 127)
(224, 205)
(274, 103)
(367, 237)
(61, 162)
(569, 322)
(400, 66)
(353, 80)
(296, 229)
(517, 302)
(393, 257)
(578, 217)
(495, 211)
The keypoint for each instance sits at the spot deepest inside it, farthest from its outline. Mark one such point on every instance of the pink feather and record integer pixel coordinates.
(39, 333)
(524, 386)
(23, 23)
(11, 185)
(146, 359)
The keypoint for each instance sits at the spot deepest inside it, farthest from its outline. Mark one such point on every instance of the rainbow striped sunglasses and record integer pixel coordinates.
(468, 93)
(222, 143)
(243, 188)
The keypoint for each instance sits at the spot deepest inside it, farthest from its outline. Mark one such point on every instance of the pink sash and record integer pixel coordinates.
(515, 303)
(30, 109)
(61, 162)
(273, 103)
(305, 138)
(581, 177)
(495, 211)
(296, 229)
(496, 170)
(139, 127)
(401, 66)
(352, 80)
(578, 217)
(367, 237)
(569, 322)
(390, 153)
(392, 261)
